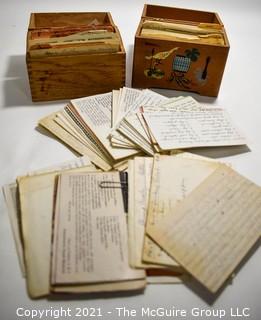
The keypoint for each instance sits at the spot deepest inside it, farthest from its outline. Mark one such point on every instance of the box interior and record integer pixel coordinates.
(70, 19)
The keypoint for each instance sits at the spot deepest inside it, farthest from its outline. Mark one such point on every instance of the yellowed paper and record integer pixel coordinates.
(214, 39)
(173, 178)
(13, 206)
(36, 200)
(90, 228)
(201, 28)
(214, 227)
(12, 203)
(139, 176)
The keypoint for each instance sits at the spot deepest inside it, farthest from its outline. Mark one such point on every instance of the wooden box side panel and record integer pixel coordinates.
(162, 12)
(68, 77)
(66, 19)
(178, 65)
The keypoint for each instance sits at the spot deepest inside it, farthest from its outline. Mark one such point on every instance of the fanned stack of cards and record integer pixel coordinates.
(110, 128)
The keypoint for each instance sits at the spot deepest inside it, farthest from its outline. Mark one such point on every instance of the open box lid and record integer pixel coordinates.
(180, 14)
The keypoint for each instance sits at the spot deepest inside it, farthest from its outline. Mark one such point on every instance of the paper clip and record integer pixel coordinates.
(122, 184)
(113, 184)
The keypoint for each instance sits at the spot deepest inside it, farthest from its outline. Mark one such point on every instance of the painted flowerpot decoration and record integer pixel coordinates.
(181, 65)
(154, 70)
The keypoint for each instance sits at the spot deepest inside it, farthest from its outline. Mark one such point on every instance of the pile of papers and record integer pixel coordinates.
(154, 213)
(193, 215)
(91, 38)
(165, 219)
(113, 127)
(63, 238)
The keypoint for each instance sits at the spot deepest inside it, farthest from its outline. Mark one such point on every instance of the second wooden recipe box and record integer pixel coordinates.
(180, 49)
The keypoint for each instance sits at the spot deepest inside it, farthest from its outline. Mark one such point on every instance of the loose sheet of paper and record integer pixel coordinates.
(214, 227)
(173, 178)
(90, 231)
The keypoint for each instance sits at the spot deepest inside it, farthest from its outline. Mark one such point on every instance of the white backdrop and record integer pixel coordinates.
(22, 148)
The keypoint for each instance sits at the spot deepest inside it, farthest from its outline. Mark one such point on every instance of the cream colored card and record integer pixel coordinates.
(197, 128)
(90, 231)
(139, 131)
(173, 178)
(214, 227)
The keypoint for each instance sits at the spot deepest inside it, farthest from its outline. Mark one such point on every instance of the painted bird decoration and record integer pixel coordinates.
(161, 55)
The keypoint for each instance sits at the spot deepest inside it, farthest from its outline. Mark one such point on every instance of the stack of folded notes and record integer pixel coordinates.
(166, 219)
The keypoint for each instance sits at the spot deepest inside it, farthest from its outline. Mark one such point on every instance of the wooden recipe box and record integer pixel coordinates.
(177, 63)
(68, 76)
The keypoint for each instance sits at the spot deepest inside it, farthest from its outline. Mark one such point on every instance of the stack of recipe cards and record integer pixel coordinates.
(209, 33)
(69, 40)
(113, 127)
